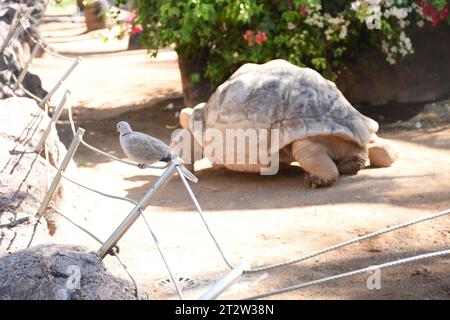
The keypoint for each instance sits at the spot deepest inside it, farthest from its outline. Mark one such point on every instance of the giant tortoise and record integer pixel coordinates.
(318, 128)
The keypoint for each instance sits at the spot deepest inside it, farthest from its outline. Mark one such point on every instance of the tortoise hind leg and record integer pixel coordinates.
(382, 153)
(351, 164)
(313, 157)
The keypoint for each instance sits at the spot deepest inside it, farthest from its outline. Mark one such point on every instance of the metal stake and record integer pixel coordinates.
(56, 180)
(12, 31)
(225, 282)
(60, 82)
(55, 118)
(26, 67)
(136, 212)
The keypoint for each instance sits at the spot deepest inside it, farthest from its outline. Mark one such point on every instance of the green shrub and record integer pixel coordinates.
(324, 35)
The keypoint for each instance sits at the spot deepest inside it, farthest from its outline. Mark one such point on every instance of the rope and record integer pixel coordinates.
(72, 124)
(200, 212)
(115, 254)
(58, 211)
(40, 43)
(349, 242)
(114, 251)
(171, 274)
(97, 191)
(25, 90)
(47, 166)
(352, 273)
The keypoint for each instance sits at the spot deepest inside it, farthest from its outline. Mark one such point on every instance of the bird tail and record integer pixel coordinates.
(187, 174)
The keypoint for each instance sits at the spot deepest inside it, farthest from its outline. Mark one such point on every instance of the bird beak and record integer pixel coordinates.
(118, 131)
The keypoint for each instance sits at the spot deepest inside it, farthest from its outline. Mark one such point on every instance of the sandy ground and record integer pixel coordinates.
(260, 219)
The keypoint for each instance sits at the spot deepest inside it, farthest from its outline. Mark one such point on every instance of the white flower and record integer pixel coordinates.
(343, 33)
(291, 26)
(355, 5)
(391, 60)
(420, 23)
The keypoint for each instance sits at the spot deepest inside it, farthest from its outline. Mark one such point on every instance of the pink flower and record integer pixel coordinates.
(260, 38)
(248, 36)
(131, 17)
(289, 5)
(303, 10)
(137, 29)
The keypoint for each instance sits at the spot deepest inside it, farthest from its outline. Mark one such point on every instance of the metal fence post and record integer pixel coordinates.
(136, 212)
(225, 282)
(26, 67)
(56, 180)
(55, 117)
(60, 82)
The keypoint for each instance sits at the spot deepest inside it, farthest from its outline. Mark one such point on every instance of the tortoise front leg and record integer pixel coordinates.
(312, 156)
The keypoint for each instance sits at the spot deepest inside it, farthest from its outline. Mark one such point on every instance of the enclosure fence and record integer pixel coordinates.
(174, 166)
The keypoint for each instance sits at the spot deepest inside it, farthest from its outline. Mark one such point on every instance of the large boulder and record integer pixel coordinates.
(23, 173)
(49, 272)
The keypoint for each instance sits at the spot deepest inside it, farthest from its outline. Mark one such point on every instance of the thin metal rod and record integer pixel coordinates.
(53, 121)
(56, 180)
(136, 212)
(224, 282)
(26, 67)
(60, 82)
(200, 212)
(12, 31)
(161, 253)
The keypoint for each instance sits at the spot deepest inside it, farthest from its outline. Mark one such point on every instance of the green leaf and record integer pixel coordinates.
(195, 77)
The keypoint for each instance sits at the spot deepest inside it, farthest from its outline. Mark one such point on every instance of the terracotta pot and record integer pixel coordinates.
(94, 15)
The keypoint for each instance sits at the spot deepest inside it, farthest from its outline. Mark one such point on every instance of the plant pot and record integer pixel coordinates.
(94, 14)
(424, 77)
(134, 42)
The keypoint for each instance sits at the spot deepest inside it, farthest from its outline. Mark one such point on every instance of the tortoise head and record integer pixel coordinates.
(187, 116)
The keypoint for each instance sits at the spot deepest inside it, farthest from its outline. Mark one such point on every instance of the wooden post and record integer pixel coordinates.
(57, 179)
(55, 118)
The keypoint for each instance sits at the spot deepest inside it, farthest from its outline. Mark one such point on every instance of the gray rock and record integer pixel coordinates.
(23, 173)
(59, 272)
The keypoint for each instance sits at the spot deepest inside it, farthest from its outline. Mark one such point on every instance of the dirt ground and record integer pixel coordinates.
(260, 219)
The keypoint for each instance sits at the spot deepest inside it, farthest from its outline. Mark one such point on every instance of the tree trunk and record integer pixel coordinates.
(80, 5)
(198, 91)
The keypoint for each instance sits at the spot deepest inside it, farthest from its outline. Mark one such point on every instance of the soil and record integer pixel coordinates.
(261, 219)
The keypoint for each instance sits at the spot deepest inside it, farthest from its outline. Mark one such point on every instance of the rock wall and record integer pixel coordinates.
(13, 58)
(23, 173)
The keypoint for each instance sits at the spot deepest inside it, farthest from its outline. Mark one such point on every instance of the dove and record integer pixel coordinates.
(145, 149)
